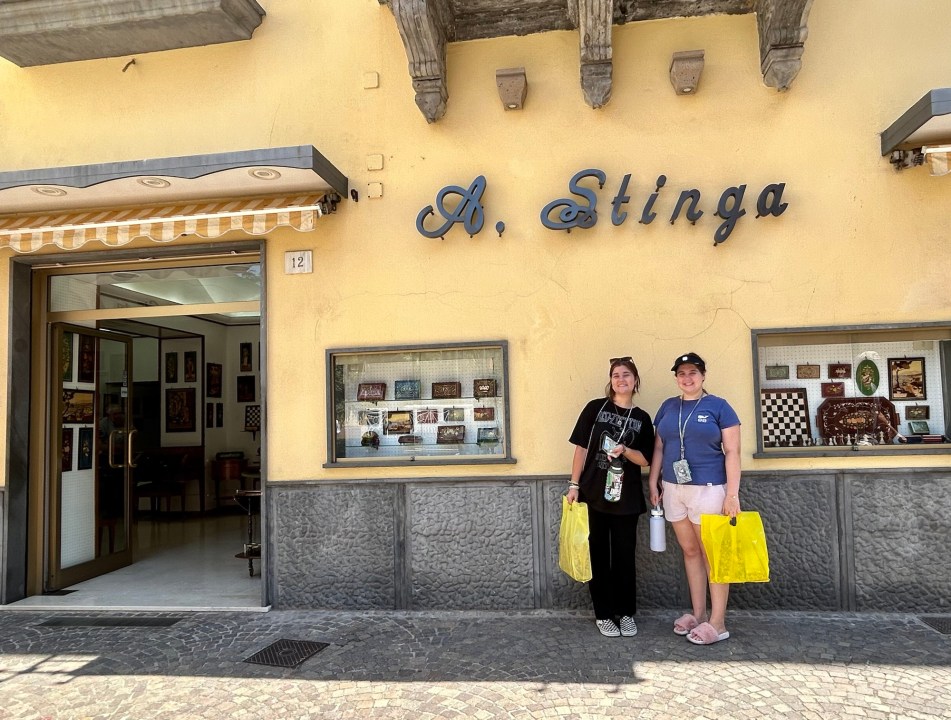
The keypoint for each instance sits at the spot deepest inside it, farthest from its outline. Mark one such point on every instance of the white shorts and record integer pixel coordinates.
(692, 501)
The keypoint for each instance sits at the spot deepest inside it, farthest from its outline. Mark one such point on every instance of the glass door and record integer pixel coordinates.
(91, 455)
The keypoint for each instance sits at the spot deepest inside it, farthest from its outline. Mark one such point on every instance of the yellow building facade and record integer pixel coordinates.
(849, 247)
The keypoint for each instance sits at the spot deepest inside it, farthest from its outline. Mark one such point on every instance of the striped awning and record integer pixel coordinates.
(112, 227)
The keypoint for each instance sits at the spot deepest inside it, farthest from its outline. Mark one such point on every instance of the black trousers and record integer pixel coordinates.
(613, 586)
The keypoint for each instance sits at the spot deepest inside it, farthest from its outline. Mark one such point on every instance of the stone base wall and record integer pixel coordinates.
(869, 540)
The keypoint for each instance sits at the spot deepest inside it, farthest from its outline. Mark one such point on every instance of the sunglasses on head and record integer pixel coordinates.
(615, 361)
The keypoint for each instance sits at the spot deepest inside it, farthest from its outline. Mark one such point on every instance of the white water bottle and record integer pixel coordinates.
(658, 530)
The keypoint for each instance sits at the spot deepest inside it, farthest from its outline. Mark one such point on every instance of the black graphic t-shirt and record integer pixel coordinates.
(630, 426)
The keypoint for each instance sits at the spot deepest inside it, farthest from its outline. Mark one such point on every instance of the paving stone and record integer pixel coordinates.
(475, 665)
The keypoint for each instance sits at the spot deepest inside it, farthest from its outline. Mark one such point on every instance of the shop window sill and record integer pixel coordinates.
(37, 32)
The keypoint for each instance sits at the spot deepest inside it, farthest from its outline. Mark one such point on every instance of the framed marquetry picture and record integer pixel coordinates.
(807, 372)
(777, 372)
(832, 389)
(840, 371)
(917, 412)
(906, 378)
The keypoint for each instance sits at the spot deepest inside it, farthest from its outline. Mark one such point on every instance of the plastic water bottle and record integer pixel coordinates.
(612, 483)
(658, 529)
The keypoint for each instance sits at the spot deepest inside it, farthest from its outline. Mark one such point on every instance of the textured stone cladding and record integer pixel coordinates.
(333, 547)
(471, 547)
(802, 535)
(902, 530)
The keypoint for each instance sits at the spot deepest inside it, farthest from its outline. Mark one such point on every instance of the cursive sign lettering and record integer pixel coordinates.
(468, 210)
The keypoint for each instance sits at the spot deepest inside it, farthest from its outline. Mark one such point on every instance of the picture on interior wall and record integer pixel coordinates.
(919, 427)
(245, 356)
(191, 366)
(67, 454)
(906, 378)
(777, 372)
(917, 412)
(219, 414)
(807, 372)
(832, 389)
(84, 456)
(171, 367)
(450, 434)
(87, 359)
(483, 414)
(180, 410)
(867, 377)
(213, 380)
(66, 361)
(209, 415)
(245, 388)
(453, 414)
(78, 406)
(840, 371)
(406, 390)
(429, 416)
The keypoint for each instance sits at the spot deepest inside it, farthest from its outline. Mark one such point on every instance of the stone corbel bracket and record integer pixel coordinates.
(594, 18)
(782, 35)
(425, 27)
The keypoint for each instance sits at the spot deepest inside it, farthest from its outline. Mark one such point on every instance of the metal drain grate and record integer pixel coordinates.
(286, 653)
(941, 623)
(106, 621)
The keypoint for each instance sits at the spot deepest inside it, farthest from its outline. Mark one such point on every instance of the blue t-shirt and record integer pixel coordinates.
(704, 419)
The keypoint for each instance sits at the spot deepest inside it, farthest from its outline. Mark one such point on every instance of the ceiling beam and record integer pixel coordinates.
(782, 35)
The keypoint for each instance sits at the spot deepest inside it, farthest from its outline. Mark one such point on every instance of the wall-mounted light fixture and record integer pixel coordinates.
(685, 70)
(513, 87)
(922, 134)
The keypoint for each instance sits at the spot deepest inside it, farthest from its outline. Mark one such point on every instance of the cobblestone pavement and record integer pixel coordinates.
(471, 665)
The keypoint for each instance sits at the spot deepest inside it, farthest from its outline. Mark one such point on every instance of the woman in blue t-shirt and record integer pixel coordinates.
(698, 439)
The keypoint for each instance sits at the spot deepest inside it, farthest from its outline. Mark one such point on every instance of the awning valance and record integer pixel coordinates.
(112, 227)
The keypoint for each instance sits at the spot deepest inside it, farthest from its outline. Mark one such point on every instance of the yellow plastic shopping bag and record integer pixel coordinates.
(736, 551)
(574, 557)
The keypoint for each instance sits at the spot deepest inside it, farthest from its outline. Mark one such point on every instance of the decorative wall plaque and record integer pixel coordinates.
(777, 372)
(406, 390)
(807, 372)
(483, 414)
(450, 434)
(443, 390)
(371, 391)
(867, 377)
(906, 378)
(483, 388)
(832, 389)
(398, 422)
(840, 371)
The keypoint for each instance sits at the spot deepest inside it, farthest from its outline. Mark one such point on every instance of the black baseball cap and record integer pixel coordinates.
(691, 359)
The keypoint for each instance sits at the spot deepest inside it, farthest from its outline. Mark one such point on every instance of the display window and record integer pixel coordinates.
(419, 404)
(831, 390)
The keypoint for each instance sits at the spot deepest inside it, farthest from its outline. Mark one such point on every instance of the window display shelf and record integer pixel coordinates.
(879, 389)
(419, 404)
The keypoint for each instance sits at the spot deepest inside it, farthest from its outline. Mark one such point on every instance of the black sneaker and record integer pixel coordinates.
(628, 626)
(607, 628)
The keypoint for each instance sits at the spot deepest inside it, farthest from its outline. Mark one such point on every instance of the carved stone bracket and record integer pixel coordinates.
(425, 27)
(782, 35)
(594, 19)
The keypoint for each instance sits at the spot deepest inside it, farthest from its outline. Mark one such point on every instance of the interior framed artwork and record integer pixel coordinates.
(84, 449)
(406, 390)
(213, 380)
(79, 406)
(66, 359)
(867, 377)
(398, 422)
(918, 427)
(371, 391)
(171, 367)
(209, 415)
(443, 390)
(917, 412)
(485, 387)
(450, 434)
(906, 379)
(246, 388)
(67, 453)
(219, 415)
(832, 389)
(807, 372)
(369, 417)
(487, 436)
(86, 367)
(244, 357)
(427, 416)
(453, 414)
(483, 414)
(840, 371)
(180, 410)
(191, 366)
(777, 372)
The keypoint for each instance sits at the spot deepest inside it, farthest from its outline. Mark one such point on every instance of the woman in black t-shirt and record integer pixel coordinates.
(609, 429)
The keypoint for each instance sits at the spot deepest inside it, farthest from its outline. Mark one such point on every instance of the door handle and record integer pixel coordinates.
(129, 449)
(112, 449)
